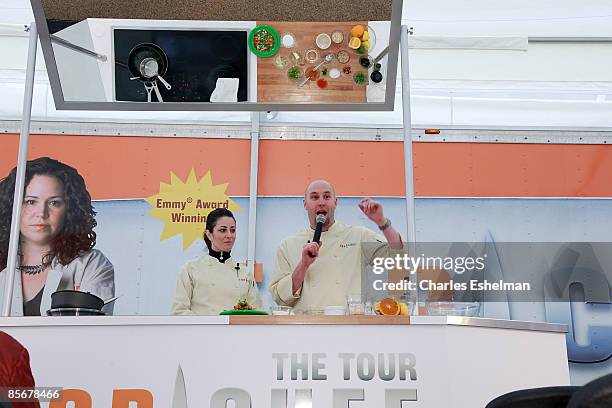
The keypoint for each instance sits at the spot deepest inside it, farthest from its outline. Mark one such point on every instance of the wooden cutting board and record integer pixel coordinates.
(273, 85)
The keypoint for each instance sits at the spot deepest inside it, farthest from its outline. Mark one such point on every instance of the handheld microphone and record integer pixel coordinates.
(320, 220)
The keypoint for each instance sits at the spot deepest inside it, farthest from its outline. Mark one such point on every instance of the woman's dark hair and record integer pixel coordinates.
(211, 222)
(76, 235)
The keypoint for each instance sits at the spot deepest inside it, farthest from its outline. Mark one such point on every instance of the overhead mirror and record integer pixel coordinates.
(220, 55)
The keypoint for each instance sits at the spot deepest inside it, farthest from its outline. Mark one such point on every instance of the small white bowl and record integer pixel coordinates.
(288, 40)
(334, 73)
(323, 41)
(337, 37)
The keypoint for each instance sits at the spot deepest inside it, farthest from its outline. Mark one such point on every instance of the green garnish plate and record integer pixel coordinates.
(243, 312)
(264, 41)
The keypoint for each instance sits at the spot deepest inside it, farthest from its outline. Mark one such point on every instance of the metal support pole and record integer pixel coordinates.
(408, 165)
(253, 191)
(77, 48)
(22, 158)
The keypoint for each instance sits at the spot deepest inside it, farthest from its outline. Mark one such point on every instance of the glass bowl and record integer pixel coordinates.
(311, 56)
(467, 309)
(360, 78)
(296, 58)
(295, 73)
(281, 61)
(371, 40)
(288, 40)
(281, 311)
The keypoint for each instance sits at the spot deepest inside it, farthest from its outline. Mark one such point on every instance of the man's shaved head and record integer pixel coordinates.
(317, 184)
(320, 198)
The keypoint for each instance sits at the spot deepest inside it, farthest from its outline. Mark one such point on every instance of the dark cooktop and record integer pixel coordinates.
(195, 60)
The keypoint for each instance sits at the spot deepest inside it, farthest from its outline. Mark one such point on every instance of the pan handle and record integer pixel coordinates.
(157, 93)
(163, 81)
(106, 302)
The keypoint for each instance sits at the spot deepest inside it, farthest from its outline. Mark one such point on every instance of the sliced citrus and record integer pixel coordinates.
(403, 309)
(365, 36)
(354, 43)
(357, 31)
(366, 45)
(389, 307)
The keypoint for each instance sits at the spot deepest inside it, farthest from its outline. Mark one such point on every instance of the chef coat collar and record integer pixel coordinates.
(333, 227)
(221, 256)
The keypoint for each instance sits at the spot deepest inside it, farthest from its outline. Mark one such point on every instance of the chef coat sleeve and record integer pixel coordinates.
(375, 246)
(281, 287)
(183, 293)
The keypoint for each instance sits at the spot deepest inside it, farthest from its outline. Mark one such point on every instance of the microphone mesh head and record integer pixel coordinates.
(321, 219)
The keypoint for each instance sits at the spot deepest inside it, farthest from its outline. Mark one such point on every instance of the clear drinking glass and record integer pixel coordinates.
(369, 309)
(355, 304)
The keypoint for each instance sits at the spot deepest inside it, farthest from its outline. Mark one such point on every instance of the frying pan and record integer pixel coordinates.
(78, 299)
(75, 298)
(148, 62)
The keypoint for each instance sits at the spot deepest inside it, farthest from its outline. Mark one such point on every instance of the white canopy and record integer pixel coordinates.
(478, 63)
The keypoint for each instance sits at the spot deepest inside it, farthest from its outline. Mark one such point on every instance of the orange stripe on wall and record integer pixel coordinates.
(132, 167)
(355, 168)
(512, 170)
(440, 169)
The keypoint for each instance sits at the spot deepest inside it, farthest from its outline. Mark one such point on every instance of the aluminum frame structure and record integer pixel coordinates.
(62, 104)
(255, 130)
(22, 157)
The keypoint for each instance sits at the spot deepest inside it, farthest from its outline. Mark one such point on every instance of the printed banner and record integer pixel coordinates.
(183, 205)
(204, 362)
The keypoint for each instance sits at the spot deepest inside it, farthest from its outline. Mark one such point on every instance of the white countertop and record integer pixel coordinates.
(282, 320)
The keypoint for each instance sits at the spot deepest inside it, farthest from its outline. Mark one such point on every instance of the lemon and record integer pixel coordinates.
(365, 36)
(354, 43)
(403, 309)
(366, 45)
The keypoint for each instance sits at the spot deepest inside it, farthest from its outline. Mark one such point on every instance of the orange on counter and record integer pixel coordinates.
(388, 307)
(357, 31)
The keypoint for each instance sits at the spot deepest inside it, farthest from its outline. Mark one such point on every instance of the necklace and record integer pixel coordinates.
(33, 269)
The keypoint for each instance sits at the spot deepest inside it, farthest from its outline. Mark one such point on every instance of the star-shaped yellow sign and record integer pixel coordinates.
(184, 206)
